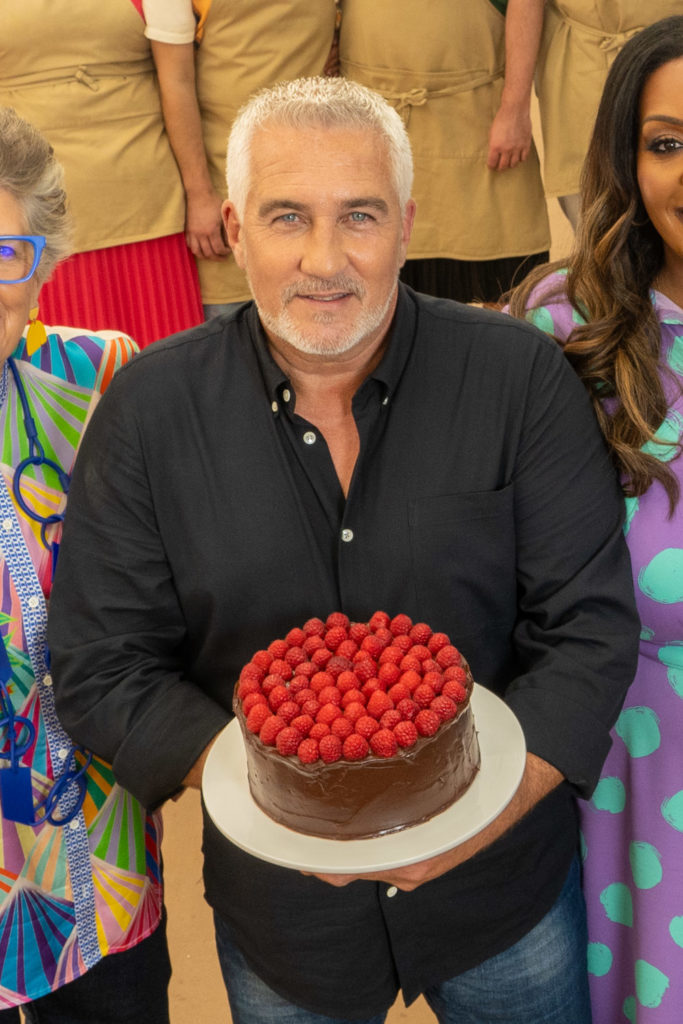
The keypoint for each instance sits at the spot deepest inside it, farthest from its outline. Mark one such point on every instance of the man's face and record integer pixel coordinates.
(322, 237)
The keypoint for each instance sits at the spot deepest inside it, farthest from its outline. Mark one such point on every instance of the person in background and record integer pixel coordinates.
(617, 307)
(211, 55)
(580, 40)
(461, 79)
(80, 870)
(86, 80)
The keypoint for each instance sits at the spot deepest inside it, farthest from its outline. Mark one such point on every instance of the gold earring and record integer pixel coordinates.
(36, 334)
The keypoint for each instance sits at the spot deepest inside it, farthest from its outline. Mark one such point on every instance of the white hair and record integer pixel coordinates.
(317, 102)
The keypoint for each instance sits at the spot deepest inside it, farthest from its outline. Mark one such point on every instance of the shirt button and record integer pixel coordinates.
(385, 400)
(47, 679)
(33, 601)
(62, 752)
(286, 395)
(274, 406)
(347, 535)
(309, 437)
(74, 823)
(7, 524)
(391, 891)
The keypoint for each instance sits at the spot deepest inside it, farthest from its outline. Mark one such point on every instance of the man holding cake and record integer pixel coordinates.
(345, 445)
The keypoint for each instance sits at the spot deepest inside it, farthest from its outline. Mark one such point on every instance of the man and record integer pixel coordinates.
(346, 444)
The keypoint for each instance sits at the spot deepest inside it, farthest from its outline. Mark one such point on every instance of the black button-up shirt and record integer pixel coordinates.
(206, 519)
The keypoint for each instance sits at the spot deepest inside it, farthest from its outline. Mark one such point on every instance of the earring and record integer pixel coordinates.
(36, 334)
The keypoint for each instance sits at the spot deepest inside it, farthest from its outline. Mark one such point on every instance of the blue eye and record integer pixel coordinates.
(359, 217)
(7, 252)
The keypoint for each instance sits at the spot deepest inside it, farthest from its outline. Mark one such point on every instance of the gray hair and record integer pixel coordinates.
(32, 175)
(324, 103)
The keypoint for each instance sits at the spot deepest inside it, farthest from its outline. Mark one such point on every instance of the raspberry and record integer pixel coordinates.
(403, 642)
(437, 641)
(303, 724)
(401, 624)
(313, 643)
(296, 685)
(270, 730)
(380, 620)
(336, 665)
(248, 686)
(270, 682)
(398, 692)
(358, 631)
(355, 748)
(378, 703)
(390, 719)
(278, 648)
(252, 671)
(420, 652)
(334, 637)
(423, 695)
(347, 649)
(448, 655)
(337, 619)
(287, 741)
(320, 657)
(372, 686)
(347, 681)
(320, 680)
(383, 743)
(411, 679)
(295, 637)
(257, 716)
(318, 730)
(385, 635)
(456, 691)
(330, 748)
(372, 645)
(408, 709)
(427, 722)
(444, 708)
(388, 673)
(301, 696)
(330, 695)
(433, 679)
(307, 751)
(354, 711)
(310, 707)
(341, 727)
(279, 666)
(365, 669)
(306, 668)
(406, 734)
(277, 696)
(351, 696)
(328, 713)
(456, 672)
(295, 656)
(288, 710)
(409, 661)
(262, 659)
(430, 666)
(393, 654)
(313, 627)
(366, 726)
(251, 700)
(420, 633)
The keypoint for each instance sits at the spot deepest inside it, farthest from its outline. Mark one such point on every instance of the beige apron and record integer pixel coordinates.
(247, 45)
(82, 73)
(580, 40)
(442, 66)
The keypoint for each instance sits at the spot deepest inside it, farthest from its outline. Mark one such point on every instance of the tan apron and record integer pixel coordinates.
(441, 67)
(580, 40)
(82, 73)
(247, 45)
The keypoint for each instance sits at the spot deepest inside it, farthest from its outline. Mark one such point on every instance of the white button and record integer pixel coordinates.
(391, 891)
(309, 437)
(7, 524)
(286, 394)
(33, 601)
(47, 679)
(62, 752)
(274, 406)
(74, 823)
(385, 400)
(347, 535)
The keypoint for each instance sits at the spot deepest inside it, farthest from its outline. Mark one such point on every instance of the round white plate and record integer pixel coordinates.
(228, 800)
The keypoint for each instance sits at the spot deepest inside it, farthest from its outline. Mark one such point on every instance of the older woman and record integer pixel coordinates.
(79, 858)
(618, 309)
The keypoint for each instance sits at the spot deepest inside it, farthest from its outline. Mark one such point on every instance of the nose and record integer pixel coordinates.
(324, 253)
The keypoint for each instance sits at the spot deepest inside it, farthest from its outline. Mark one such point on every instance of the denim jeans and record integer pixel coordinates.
(123, 988)
(542, 979)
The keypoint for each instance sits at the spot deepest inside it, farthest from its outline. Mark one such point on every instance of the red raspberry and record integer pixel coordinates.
(347, 681)
(337, 619)
(420, 652)
(310, 707)
(444, 707)
(320, 680)
(355, 748)
(423, 695)
(383, 743)
(248, 686)
(420, 633)
(347, 649)
(365, 669)
(456, 672)
(270, 730)
(433, 679)
(328, 713)
(330, 748)
(296, 685)
(301, 696)
(401, 624)
(372, 645)
(351, 696)
(288, 710)
(411, 679)
(408, 709)
(388, 673)
(313, 627)
(366, 726)
(307, 751)
(318, 730)
(448, 655)
(337, 665)
(385, 635)
(295, 656)
(334, 637)
(380, 620)
(406, 734)
(251, 700)
(270, 682)
(303, 724)
(403, 642)
(287, 741)
(252, 671)
(354, 711)
(262, 659)
(257, 716)
(341, 727)
(437, 641)
(427, 722)
(456, 691)
(280, 667)
(398, 692)
(277, 696)
(306, 668)
(409, 662)
(372, 686)
(313, 643)
(320, 657)
(390, 719)
(278, 648)
(430, 666)
(330, 695)
(358, 631)
(393, 654)
(378, 703)
(295, 637)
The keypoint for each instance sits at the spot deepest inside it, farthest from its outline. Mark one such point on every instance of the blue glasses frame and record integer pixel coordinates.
(38, 247)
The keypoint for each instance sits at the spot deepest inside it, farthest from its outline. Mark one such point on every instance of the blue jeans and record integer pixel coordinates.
(542, 979)
(123, 988)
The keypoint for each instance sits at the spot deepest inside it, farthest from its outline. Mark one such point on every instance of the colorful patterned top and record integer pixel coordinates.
(68, 894)
(632, 828)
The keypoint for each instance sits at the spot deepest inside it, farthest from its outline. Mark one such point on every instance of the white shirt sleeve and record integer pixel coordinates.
(169, 21)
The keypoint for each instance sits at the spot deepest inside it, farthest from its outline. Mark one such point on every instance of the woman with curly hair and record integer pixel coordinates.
(617, 308)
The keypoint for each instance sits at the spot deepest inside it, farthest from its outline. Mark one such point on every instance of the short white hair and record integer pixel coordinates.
(317, 102)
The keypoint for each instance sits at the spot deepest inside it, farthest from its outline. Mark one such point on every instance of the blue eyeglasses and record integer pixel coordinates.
(19, 257)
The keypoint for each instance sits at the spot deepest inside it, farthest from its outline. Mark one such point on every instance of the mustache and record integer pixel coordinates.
(323, 285)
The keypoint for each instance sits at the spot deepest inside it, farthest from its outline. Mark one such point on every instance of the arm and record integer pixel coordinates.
(176, 73)
(510, 135)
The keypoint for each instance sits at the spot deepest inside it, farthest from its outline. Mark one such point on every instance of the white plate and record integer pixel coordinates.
(229, 803)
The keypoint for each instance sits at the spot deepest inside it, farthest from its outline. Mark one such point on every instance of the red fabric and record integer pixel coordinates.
(137, 4)
(145, 289)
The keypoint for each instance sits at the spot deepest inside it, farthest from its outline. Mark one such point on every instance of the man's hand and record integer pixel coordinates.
(509, 138)
(538, 780)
